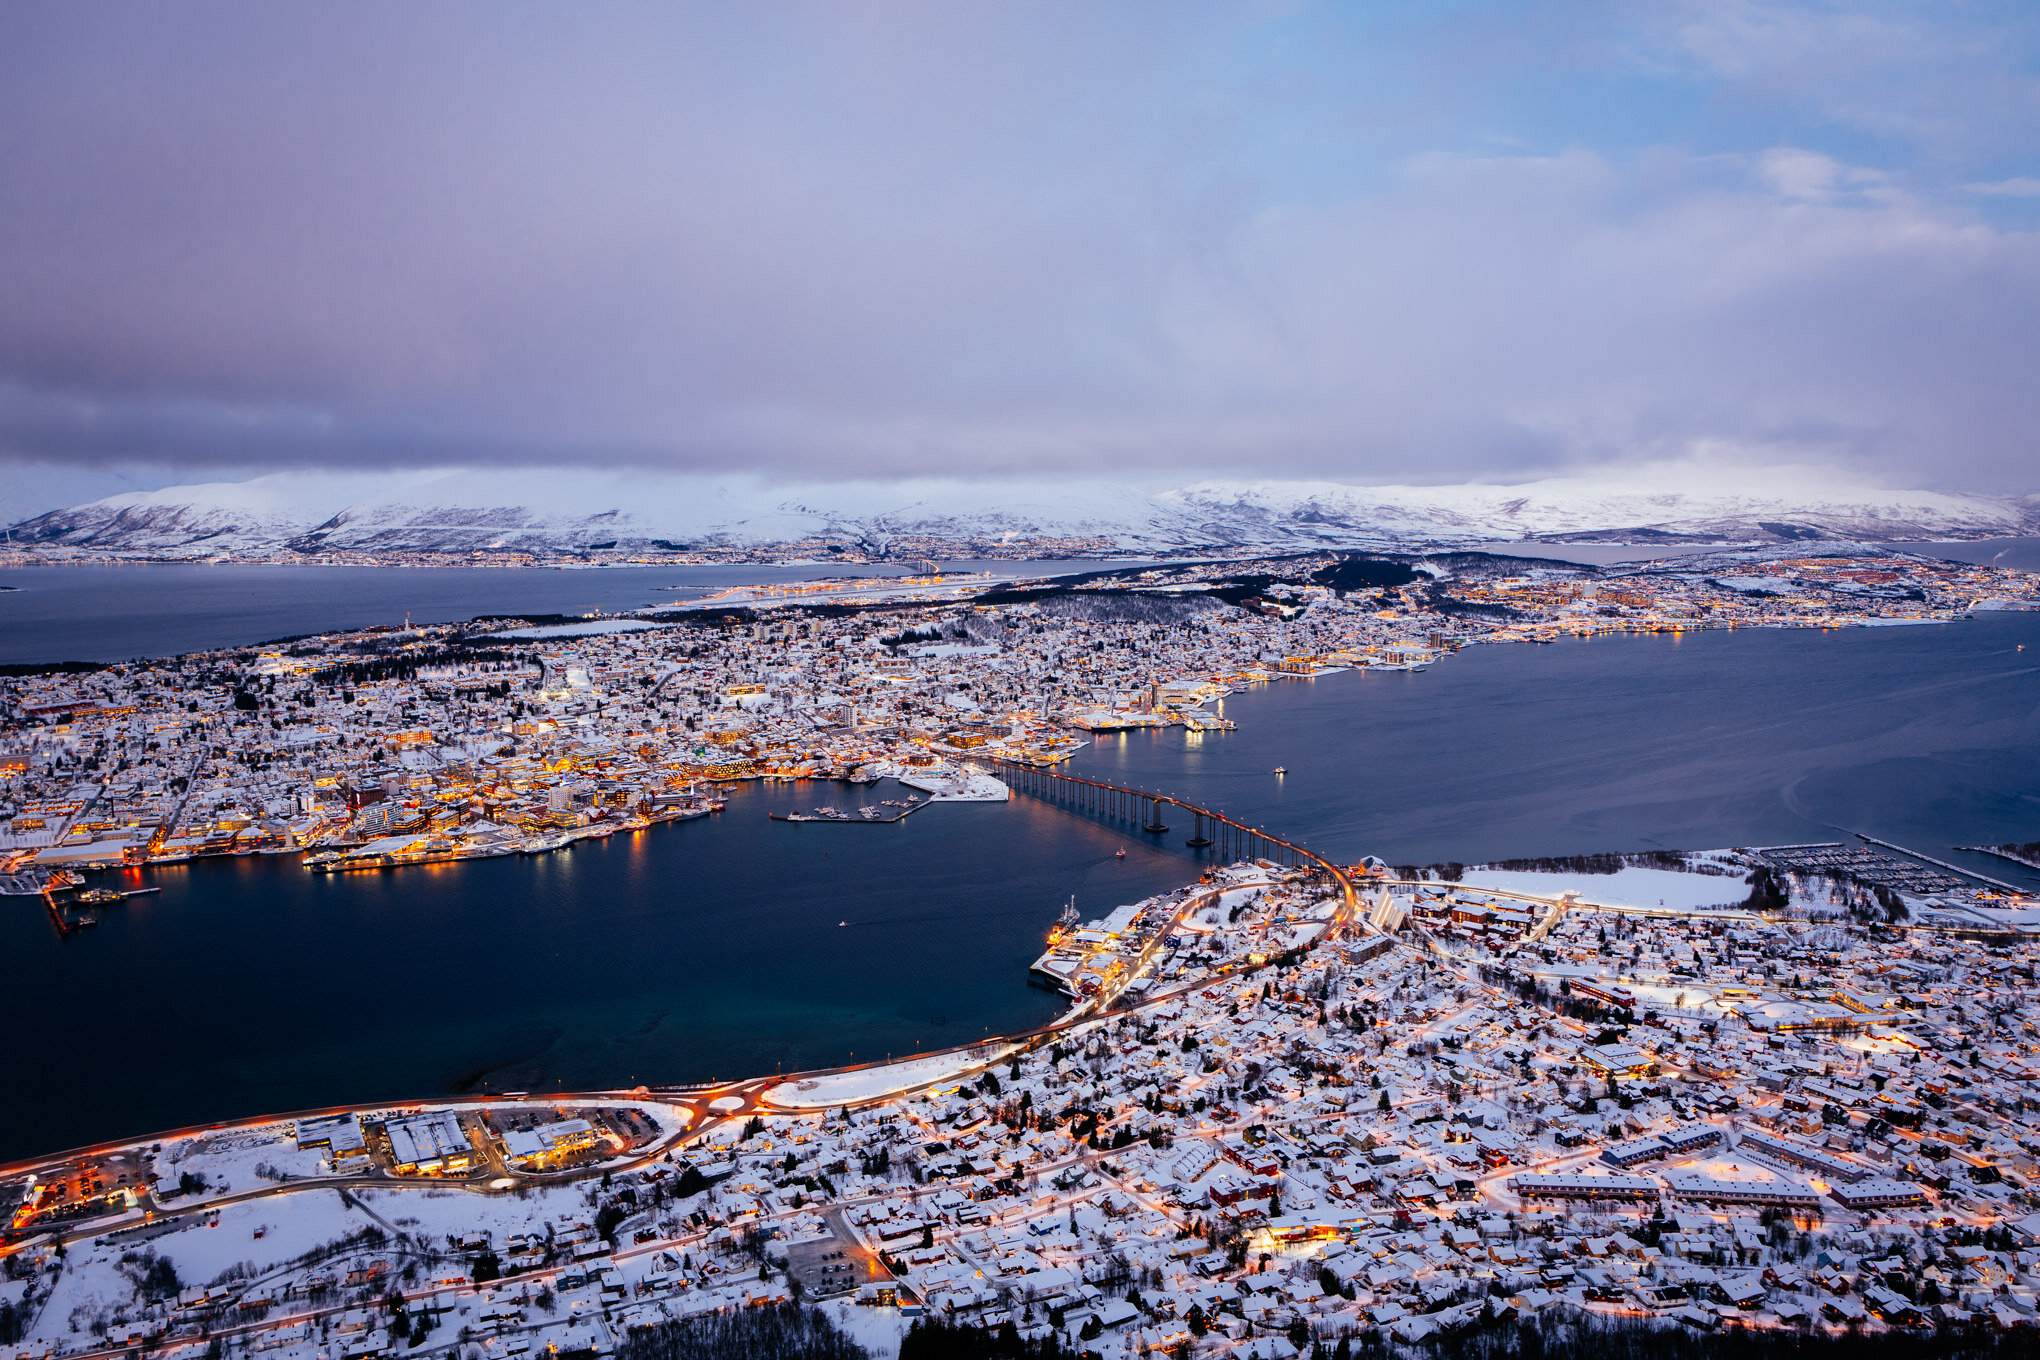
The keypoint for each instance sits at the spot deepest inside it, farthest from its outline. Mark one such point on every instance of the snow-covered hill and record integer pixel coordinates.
(1679, 504)
(208, 517)
(559, 509)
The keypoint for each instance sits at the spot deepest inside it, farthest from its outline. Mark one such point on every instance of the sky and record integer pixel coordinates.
(1368, 242)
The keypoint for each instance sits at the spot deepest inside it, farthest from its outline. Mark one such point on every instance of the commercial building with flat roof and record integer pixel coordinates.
(429, 1144)
(549, 1144)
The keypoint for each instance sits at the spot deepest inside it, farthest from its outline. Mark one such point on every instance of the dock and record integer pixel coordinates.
(1951, 868)
(868, 815)
(65, 921)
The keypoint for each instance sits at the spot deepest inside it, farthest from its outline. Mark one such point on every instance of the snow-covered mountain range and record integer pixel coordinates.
(555, 510)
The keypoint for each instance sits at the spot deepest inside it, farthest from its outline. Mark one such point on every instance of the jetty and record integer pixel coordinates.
(2003, 853)
(1951, 868)
(871, 814)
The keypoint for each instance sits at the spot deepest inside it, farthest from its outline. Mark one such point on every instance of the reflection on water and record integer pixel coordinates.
(250, 985)
(116, 612)
(1925, 735)
(713, 948)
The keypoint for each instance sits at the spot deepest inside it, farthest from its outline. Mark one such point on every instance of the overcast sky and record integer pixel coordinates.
(1371, 242)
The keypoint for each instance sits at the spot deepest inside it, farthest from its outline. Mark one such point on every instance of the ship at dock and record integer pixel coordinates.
(1064, 923)
(1085, 960)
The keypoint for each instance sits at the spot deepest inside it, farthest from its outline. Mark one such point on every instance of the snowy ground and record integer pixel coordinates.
(847, 1088)
(1687, 996)
(953, 649)
(588, 629)
(254, 1238)
(1624, 888)
(267, 1240)
(878, 1330)
(958, 787)
(239, 1159)
(439, 1211)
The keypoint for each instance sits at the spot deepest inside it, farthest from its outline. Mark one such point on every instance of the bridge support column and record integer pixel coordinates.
(1155, 825)
(1198, 840)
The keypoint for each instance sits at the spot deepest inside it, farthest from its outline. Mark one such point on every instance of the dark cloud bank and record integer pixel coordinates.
(891, 240)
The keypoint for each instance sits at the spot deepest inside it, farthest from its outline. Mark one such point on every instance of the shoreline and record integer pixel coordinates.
(1195, 719)
(1361, 914)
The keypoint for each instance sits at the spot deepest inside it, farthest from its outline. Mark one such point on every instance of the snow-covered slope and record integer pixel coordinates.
(210, 516)
(568, 509)
(554, 509)
(1674, 503)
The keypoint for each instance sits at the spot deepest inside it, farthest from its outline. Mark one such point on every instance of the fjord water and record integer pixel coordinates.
(115, 612)
(1928, 736)
(119, 611)
(722, 947)
(738, 945)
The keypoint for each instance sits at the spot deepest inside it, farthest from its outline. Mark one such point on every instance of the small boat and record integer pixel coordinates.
(1279, 769)
(842, 923)
(1121, 854)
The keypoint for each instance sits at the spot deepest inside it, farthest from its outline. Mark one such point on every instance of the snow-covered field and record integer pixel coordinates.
(588, 629)
(1685, 996)
(949, 649)
(1624, 888)
(878, 1330)
(848, 1088)
(958, 787)
(239, 1159)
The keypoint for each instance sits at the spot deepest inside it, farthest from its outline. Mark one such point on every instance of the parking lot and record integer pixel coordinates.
(833, 1265)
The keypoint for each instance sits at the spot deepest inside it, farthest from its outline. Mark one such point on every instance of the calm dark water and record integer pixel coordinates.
(2019, 554)
(1928, 736)
(693, 950)
(713, 948)
(116, 613)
